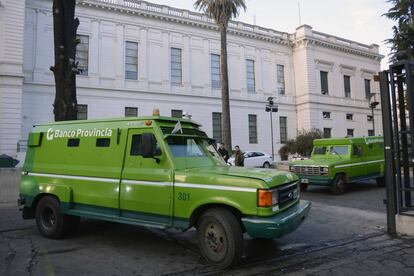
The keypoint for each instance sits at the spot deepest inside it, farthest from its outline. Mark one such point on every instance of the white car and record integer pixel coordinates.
(253, 159)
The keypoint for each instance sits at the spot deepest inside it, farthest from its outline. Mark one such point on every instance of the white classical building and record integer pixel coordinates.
(135, 56)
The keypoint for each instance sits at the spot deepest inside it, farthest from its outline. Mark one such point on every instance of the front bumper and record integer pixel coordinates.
(316, 180)
(278, 225)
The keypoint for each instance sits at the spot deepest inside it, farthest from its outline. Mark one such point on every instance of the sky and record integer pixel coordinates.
(358, 20)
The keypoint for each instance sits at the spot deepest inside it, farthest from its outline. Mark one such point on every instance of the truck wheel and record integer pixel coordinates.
(266, 165)
(50, 221)
(304, 186)
(380, 181)
(220, 237)
(339, 185)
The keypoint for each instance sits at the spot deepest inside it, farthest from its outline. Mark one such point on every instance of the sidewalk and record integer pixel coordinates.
(376, 255)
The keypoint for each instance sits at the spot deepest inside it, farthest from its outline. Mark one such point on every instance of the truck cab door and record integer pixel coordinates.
(358, 158)
(147, 183)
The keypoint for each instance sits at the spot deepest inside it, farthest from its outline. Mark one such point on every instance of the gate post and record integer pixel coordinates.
(391, 200)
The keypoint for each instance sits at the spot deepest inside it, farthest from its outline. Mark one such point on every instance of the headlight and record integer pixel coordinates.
(324, 170)
(275, 197)
(291, 168)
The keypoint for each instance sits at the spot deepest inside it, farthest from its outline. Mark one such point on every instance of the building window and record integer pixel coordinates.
(131, 60)
(131, 112)
(326, 115)
(252, 129)
(251, 83)
(327, 132)
(281, 79)
(350, 132)
(324, 83)
(215, 71)
(82, 111)
(370, 118)
(367, 88)
(347, 86)
(176, 66)
(82, 54)
(283, 129)
(349, 116)
(176, 113)
(217, 126)
(370, 132)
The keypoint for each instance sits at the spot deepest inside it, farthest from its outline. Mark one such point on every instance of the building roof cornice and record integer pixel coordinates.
(186, 17)
(303, 36)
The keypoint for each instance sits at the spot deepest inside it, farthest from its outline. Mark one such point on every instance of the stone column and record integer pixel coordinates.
(11, 74)
(143, 58)
(120, 56)
(186, 64)
(94, 49)
(40, 50)
(207, 76)
(165, 70)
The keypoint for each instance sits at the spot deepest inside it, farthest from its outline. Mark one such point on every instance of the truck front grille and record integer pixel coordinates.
(288, 194)
(306, 170)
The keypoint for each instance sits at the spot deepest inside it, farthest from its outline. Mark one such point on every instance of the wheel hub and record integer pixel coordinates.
(48, 218)
(214, 238)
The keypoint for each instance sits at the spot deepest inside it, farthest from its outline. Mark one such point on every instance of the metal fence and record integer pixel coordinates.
(397, 101)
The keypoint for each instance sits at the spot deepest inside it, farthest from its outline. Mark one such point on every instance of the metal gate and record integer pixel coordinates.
(397, 101)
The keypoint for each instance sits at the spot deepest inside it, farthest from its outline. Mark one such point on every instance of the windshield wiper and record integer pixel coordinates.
(336, 153)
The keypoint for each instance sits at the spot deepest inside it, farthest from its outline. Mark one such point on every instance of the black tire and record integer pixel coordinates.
(220, 237)
(50, 221)
(339, 185)
(303, 187)
(380, 181)
(266, 165)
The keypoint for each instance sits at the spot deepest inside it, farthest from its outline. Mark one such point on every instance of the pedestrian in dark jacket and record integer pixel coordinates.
(238, 157)
(223, 152)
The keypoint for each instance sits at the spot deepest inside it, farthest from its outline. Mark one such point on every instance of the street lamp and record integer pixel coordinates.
(373, 104)
(271, 107)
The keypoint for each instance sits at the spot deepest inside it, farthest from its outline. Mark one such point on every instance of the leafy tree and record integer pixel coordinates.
(403, 39)
(222, 11)
(302, 144)
(65, 26)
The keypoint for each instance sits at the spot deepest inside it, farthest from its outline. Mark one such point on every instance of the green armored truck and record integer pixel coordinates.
(337, 162)
(155, 172)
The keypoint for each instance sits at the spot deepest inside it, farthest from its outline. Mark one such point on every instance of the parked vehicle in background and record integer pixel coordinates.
(156, 172)
(337, 162)
(255, 159)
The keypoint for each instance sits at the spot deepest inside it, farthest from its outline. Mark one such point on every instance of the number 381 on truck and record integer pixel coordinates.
(155, 172)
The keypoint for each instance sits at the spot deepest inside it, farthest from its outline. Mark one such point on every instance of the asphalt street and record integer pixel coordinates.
(104, 248)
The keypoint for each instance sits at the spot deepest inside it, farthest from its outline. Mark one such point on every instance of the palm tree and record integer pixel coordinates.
(222, 11)
(403, 40)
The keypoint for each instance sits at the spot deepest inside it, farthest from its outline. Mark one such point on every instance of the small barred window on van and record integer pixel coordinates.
(103, 142)
(73, 142)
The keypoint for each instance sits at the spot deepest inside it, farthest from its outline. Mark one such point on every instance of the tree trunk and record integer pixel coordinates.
(225, 100)
(65, 26)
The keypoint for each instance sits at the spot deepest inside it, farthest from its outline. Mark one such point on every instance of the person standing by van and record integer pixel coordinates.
(223, 152)
(238, 157)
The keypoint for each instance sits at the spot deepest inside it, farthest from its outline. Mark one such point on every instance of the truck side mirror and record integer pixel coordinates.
(148, 145)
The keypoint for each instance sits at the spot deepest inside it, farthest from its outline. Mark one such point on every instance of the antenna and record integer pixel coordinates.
(300, 17)
(254, 19)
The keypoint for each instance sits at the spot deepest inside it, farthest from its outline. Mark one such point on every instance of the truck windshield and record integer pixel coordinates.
(190, 147)
(185, 147)
(319, 151)
(339, 150)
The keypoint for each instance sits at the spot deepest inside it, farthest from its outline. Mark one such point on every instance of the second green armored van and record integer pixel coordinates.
(156, 172)
(336, 162)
